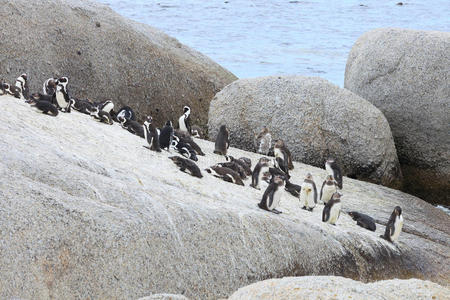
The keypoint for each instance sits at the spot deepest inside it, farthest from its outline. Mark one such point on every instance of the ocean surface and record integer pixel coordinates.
(273, 37)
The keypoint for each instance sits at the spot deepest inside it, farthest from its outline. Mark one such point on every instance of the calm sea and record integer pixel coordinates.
(259, 38)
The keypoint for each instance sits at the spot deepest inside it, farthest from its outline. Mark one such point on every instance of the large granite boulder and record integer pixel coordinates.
(406, 74)
(90, 213)
(316, 119)
(332, 287)
(107, 56)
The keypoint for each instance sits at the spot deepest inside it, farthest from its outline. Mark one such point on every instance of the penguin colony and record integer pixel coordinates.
(270, 175)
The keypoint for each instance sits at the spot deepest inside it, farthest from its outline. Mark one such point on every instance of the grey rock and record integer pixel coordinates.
(332, 287)
(107, 56)
(91, 213)
(164, 297)
(315, 118)
(406, 74)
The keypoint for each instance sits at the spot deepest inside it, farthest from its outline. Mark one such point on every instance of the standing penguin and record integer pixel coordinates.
(61, 97)
(151, 134)
(308, 193)
(184, 122)
(222, 141)
(332, 209)
(394, 225)
(263, 141)
(328, 189)
(49, 86)
(280, 150)
(272, 196)
(166, 136)
(258, 172)
(334, 170)
(22, 84)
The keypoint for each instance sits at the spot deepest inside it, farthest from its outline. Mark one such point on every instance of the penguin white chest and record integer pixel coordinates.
(277, 152)
(261, 182)
(182, 124)
(329, 169)
(327, 192)
(307, 196)
(60, 99)
(398, 225)
(276, 199)
(334, 213)
(108, 107)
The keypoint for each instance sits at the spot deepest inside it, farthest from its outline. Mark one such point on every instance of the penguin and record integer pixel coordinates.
(235, 167)
(328, 189)
(263, 141)
(222, 142)
(293, 189)
(186, 138)
(308, 193)
(126, 112)
(22, 84)
(226, 174)
(196, 131)
(280, 150)
(186, 164)
(244, 162)
(3, 86)
(41, 97)
(101, 115)
(183, 148)
(132, 126)
(332, 209)
(61, 98)
(184, 122)
(13, 91)
(261, 167)
(49, 86)
(334, 170)
(166, 136)
(272, 195)
(106, 106)
(151, 135)
(281, 164)
(363, 220)
(394, 226)
(83, 106)
(44, 106)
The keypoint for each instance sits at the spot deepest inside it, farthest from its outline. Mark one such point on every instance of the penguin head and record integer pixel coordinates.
(309, 176)
(187, 110)
(24, 76)
(398, 210)
(169, 123)
(149, 119)
(336, 196)
(330, 160)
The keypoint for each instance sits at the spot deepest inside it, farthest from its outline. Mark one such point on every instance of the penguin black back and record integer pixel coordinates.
(186, 164)
(363, 220)
(222, 141)
(166, 135)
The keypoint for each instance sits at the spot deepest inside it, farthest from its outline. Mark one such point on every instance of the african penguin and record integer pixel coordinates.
(44, 106)
(186, 138)
(258, 172)
(363, 220)
(49, 86)
(183, 148)
(226, 174)
(334, 170)
(187, 166)
(166, 136)
(281, 164)
(328, 189)
(125, 112)
(308, 193)
(263, 141)
(22, 84)
(132, 126)
(244, 162)
(235, 167)
(394, 225)
(184, 122)
(100, 115)
(61, 98)
(293, 189)
(83, 106)
(196, 131)
(106, 106)
(151, 135)
(332, 209)
(280, 150)
(272, 195)
(222, 141)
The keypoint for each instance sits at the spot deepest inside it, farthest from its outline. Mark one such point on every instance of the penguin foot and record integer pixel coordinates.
(304, 207)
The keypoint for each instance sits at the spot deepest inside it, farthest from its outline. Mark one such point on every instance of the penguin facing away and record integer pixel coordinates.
(184, 122)
(332, 209)
(394, 225)
(132, 126)
(187, 166)
(272, 195)
(166, 136)
(334, 170)
(363, 220)
(328, 189)
(308, 193)
(222, 141)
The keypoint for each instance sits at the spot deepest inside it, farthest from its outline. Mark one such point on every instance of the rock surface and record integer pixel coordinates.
(87, 212)
(164, 297)
(406, 74)
(332, 287)
(315, 118)
(106, 56)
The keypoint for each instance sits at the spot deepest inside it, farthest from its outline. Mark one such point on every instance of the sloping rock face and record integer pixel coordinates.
(406, 74)
(107, 56)
(87, 212)
(332, 287)
(316, 119)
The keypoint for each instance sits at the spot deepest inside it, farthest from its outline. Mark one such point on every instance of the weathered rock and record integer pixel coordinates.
(164, 297)
(316, 119)
(107, 56)
(332, 287)
(90, 213)
(406, 74)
